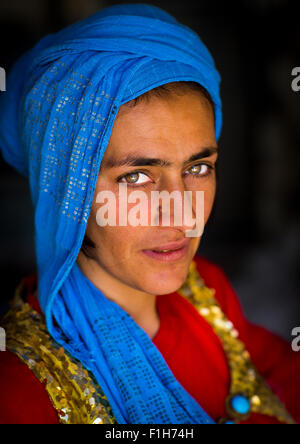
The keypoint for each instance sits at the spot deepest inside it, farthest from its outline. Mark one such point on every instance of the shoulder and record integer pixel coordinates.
(23, 399)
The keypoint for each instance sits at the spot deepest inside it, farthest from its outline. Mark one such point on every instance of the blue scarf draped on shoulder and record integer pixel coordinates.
(56, 119)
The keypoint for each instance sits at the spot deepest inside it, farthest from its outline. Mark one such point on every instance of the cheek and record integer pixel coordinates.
(112, 241)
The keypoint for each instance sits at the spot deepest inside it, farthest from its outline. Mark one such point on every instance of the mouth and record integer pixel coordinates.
(171, 252)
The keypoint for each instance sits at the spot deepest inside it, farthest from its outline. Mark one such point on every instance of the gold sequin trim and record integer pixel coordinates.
(75, 395)
(245, 379)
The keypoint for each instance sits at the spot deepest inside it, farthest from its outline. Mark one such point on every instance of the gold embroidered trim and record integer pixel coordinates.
(72, 390)
(245, 379)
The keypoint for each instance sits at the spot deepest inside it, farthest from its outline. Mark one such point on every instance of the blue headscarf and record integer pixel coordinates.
(55, 123)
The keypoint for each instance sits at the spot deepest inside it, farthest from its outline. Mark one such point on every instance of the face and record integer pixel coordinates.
(178, 132)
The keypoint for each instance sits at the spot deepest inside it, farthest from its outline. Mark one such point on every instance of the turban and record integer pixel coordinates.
(55, 123)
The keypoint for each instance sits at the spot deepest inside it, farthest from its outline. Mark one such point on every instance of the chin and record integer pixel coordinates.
(164, 283)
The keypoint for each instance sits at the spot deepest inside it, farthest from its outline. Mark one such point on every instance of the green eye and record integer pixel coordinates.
(197, 170)
(132, 178)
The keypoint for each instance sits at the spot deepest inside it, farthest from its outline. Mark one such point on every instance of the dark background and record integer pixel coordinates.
(254, 233)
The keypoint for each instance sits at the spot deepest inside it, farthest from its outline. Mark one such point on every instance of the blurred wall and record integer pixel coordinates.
(254, 232)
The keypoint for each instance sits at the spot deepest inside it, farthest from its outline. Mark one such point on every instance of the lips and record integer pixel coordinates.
(171, 246)
(175, 251)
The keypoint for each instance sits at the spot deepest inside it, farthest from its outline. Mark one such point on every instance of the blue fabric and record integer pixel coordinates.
(55, 123)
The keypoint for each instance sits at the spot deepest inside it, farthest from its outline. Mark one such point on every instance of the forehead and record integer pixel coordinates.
(168, 127)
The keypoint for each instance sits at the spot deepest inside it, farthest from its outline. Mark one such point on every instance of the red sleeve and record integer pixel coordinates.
(23, 399)
(272, 356)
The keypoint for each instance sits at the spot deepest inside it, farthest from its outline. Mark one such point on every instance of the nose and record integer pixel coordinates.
(173, 205)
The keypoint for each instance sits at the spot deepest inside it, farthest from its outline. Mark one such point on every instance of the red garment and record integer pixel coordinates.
(196, 357)
(191, 349)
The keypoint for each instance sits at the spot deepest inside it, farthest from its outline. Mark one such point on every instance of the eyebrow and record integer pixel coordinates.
(131, 160)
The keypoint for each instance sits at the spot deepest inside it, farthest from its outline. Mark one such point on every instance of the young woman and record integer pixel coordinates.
(123, 323)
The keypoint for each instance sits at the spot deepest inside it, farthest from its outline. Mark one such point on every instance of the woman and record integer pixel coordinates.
(123, 323)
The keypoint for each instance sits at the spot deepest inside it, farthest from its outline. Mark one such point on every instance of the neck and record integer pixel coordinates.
(139, 305)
